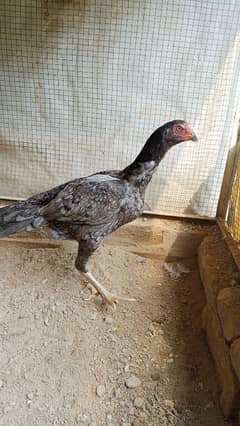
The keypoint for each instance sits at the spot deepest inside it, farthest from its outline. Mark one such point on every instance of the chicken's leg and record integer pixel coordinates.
(85, 250)
(108, 297)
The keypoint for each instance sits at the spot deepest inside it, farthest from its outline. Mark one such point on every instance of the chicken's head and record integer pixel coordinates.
(177, 131)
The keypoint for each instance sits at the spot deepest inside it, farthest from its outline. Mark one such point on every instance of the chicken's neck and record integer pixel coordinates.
(140, 172)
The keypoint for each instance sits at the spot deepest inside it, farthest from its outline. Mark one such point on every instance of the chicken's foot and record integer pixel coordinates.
(108, 297)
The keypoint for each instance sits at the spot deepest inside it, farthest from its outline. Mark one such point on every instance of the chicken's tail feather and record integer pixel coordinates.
(19, 217)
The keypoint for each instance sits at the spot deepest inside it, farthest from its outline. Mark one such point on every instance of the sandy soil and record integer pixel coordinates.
(65, 361)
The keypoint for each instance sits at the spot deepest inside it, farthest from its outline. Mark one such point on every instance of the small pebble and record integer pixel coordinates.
(29, 402)
(155, 375)
(131, 411)
(138, 402)
(109, 419)
(126, 368)
(100, 390)
(169, 404)
(133, 382)
(46, 321)
(30, 395)
(140, 259)
(152, 330)
(117, 393)
(93, 316)
(108, 320)
(6, 409)
(83, 418)
(233, 283)
(209, 405)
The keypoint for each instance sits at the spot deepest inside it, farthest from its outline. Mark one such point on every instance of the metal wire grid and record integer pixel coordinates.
(84, 83)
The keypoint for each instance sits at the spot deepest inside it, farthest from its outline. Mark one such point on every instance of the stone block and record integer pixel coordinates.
(235, 357)
(230, 388)
(216, 267)
(228, 305)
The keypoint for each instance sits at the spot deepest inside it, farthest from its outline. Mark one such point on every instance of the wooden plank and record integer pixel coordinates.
(233, 246)
(30, 243)
(185, 216)
(225, 194)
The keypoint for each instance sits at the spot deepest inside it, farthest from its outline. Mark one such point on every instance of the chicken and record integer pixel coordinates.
(89, 208)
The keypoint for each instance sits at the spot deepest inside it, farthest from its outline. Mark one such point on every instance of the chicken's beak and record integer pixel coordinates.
(193, 137)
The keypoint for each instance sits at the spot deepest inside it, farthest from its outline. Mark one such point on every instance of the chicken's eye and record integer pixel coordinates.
(179, 128)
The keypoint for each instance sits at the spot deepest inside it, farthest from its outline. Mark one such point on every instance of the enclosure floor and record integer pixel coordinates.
(59, 349)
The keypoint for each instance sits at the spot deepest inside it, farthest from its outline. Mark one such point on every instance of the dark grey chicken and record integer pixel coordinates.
(89, 208)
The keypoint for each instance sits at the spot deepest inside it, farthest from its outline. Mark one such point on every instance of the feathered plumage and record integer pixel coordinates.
(89, 208)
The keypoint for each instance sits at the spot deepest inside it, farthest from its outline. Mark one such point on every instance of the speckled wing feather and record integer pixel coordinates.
(88, 201)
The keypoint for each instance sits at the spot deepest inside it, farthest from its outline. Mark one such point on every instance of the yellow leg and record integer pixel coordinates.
(108, 297)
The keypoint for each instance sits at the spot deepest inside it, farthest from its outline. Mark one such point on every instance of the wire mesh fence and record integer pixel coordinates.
(84, 83)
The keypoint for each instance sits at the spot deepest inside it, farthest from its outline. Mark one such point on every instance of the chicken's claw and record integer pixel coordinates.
(112, 299)
(108, 297)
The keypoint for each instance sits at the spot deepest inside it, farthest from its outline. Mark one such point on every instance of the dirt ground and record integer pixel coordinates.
(64, 360)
